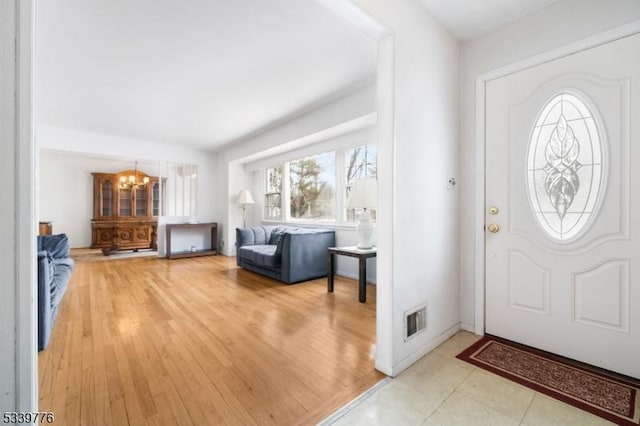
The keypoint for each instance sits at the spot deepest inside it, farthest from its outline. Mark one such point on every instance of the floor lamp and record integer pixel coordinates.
(243, 199)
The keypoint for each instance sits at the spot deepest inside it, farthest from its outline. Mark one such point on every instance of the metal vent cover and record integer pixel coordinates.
(415, 321)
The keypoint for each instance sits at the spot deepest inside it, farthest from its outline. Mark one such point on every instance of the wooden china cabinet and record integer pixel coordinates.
(125, 216)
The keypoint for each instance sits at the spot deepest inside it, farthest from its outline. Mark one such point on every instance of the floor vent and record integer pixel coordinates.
(415, 321)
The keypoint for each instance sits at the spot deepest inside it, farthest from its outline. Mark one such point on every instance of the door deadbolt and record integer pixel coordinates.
(494, 210)
(493, 228)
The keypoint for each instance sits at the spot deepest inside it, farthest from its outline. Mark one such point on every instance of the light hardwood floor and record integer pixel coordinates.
(200, 341)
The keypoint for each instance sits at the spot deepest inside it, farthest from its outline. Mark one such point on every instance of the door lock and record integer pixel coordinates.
(494, 210)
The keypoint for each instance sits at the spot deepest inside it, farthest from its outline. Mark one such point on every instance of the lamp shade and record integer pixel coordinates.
(364, 194)
(245, 197)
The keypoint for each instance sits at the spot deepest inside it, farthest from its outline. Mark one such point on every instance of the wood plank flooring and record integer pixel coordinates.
(200, 341)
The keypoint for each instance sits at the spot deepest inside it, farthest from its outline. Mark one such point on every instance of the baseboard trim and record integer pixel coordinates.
(354, 403)
(408, 361)
(468, 327)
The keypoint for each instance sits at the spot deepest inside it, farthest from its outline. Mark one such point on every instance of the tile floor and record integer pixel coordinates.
(442, 390)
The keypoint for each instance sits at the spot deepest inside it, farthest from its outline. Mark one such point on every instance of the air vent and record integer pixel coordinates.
(415, 321)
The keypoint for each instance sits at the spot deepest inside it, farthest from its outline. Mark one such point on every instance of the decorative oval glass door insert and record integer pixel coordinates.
(565, 167)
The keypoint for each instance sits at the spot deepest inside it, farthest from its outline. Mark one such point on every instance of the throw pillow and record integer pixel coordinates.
(276, 236)
(280, 245)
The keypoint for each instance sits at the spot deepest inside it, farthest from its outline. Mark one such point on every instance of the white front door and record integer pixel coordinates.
(563, 206)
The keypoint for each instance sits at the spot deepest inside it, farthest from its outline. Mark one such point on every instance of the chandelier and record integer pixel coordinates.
(133, 180)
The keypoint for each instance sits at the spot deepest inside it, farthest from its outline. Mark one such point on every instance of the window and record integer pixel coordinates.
(316, 188)
(565, 166)
(312, 187)
(360, 162)
(273, 194)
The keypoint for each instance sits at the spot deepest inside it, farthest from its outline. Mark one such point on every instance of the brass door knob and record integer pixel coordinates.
(493, 228)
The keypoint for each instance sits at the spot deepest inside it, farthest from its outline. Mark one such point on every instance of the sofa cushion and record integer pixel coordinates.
(276, 235)
(260, 235)
(254, 235)
(263, 255)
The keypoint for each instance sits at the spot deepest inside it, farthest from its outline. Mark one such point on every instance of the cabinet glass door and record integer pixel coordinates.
(106, 193)
(141, 201)
(125, 202)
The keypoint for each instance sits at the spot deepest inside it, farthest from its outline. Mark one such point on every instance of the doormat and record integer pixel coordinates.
(604, 394)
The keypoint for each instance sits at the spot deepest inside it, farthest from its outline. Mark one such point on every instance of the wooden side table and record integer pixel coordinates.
(362, 255)
(213, 226)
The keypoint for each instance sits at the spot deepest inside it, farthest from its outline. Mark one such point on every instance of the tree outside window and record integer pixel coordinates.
(312, 187)
(360, 162)
(273, 194)
(305, 189)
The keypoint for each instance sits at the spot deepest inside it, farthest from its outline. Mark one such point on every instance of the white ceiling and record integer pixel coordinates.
(205, 73)
(195, 72)
(467, 19)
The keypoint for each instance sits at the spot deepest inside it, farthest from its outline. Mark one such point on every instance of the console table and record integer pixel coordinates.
(212, 226)
(362, 255)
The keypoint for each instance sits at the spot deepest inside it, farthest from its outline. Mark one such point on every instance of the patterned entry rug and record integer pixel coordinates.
(604, 394)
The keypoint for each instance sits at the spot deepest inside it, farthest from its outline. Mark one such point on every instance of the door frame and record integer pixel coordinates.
(25, 301)
(25, 369)
(480, 175)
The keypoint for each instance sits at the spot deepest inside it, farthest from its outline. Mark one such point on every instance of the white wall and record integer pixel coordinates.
(239, 180)
(65, 185)
(8, 219)
(556, 25)
(425, 242)
(66, 191)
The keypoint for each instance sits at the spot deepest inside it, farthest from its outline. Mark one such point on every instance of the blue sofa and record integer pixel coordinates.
(54, 271)
(286, 253)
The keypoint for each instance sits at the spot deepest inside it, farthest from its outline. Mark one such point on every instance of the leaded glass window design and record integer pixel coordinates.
(565, 166)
